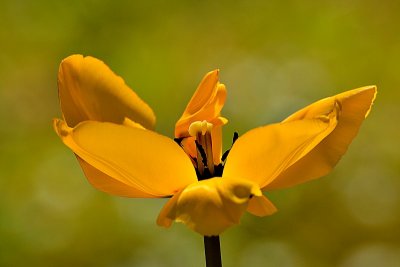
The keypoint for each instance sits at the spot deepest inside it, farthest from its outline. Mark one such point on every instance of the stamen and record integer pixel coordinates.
(218, 170)
(235, 137)
(202, 153)
(201, 130)
(179, 140)
(226, 153)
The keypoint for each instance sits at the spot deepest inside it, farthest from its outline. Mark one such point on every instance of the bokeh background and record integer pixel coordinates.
(275, 57)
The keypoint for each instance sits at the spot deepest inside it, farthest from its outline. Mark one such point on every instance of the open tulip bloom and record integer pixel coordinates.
(110, 130)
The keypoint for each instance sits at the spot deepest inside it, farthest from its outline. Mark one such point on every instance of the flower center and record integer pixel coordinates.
(201, 131)
(199, 147)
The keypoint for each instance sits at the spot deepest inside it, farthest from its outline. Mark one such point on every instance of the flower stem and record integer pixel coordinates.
(212, 251)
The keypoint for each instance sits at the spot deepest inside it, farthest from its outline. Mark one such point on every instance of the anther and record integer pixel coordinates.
(235, 137)
(179, 140)
(226, 153)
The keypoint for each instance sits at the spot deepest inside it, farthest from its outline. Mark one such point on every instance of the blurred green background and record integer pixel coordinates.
(275, 57)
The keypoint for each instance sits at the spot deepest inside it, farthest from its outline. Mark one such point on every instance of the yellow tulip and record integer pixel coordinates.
(109, 128)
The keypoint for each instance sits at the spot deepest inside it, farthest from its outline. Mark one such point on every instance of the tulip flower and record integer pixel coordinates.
(110, 130)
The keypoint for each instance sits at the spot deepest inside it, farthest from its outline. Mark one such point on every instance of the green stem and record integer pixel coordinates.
(212, 251)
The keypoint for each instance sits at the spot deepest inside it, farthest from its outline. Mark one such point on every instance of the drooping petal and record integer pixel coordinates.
(261, 206)
(151, 163)
(209, 206)
(355, 106)
(261, 154)
(90, 90)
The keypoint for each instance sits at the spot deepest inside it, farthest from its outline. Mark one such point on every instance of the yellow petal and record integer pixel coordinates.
(107, 184)
(209, 206)
(149, 162)
(206, 104)
(261, 206)
(261, 154)
(89, 90)
(355, 106)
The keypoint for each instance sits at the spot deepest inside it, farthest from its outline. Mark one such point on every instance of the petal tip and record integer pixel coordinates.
(261, 206)
(370, 91)
(72, 57)
(61, 127)
(164, 221)
(216, 71)
(214, 74)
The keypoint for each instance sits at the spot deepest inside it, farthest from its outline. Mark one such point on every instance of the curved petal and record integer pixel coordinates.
(149, 162)
(355, 106)
(107, 184)
(209, 206)
(205, 104)
(89, 90)
(261, 154)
